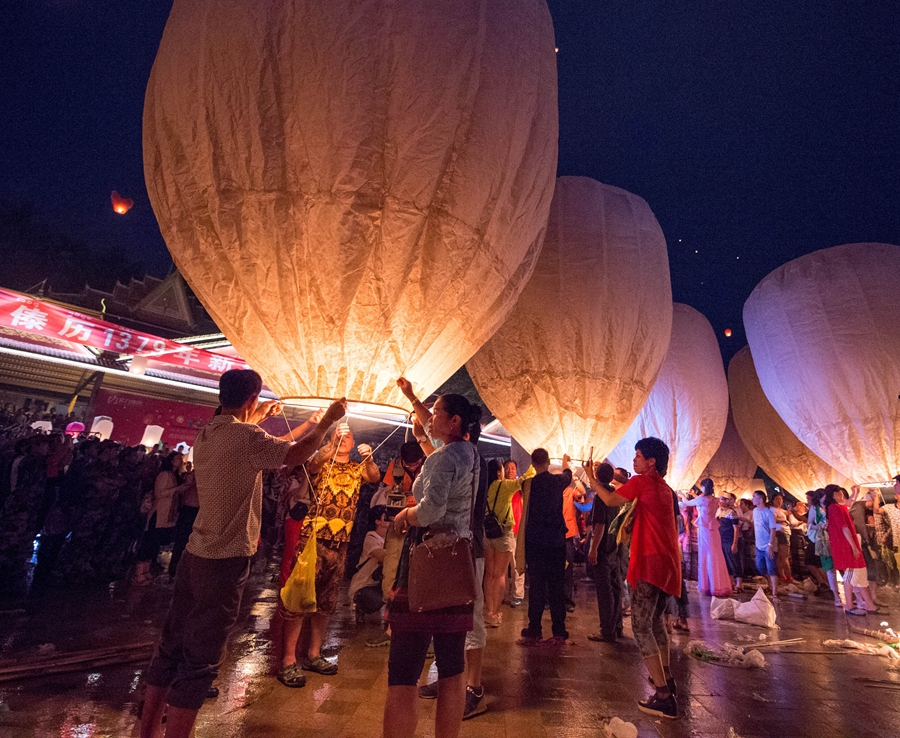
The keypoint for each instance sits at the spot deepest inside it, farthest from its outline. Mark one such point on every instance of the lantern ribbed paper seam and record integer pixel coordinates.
(824, 330)
(768, 439)
(355, 189)
(575, 360)
(688, 405)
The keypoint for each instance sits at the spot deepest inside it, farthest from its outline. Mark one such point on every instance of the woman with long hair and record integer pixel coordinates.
(445, 495)
(163, 515)
(846, 551)
(712, 572)
(498, 550)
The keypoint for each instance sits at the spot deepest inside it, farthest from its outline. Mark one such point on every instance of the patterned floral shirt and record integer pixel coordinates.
(336, 494)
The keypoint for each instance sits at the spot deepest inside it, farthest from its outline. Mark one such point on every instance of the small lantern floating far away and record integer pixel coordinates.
(121, 204)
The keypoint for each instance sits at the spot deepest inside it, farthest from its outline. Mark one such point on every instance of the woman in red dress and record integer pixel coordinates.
(846, 550)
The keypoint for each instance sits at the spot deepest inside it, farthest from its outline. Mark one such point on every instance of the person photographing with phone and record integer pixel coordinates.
(654, 571)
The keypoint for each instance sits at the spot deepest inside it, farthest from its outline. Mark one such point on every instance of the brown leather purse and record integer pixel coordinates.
(442, 566)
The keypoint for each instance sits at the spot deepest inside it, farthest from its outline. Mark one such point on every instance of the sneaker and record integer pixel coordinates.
(474, 703)
(516, 602)
(320, 665)
(659, 706)
(379, 641)
(292, 676)
(492, 621)
(429, 692)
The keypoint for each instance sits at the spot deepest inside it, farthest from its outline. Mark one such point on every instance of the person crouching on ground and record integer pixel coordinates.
(230, 454)
(654, 571)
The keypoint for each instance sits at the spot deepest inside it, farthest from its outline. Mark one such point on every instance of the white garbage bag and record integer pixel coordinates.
(722, 608)
(759, 611)
(618, 728)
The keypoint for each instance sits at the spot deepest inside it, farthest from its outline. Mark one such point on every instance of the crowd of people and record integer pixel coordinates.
(102, 512)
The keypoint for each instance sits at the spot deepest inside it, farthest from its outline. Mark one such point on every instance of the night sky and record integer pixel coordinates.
(757, 132)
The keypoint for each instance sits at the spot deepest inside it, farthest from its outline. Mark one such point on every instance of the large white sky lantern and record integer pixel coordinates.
(732, 468)
(354, 190)
(576, 358)
(824, 330)
(688, 405)
(768, 439)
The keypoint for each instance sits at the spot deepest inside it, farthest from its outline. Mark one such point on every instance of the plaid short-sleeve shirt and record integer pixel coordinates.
(229, 458)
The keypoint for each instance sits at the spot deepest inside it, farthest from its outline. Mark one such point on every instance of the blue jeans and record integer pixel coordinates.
(765, 564)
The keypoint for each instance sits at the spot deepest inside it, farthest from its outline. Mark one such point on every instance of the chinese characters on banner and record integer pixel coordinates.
(28, 314)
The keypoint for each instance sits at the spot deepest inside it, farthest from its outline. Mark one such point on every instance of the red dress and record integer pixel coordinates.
(839, 519)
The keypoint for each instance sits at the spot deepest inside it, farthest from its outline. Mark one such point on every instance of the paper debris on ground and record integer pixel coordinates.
(852, 645)
(758, 611)
(725, 655)
(618, 728)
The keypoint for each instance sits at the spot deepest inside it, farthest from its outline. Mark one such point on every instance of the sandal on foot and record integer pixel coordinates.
(320, 665)
(858, 613)
(292, 676)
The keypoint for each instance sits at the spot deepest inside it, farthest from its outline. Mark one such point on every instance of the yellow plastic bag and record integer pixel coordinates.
(299, 592)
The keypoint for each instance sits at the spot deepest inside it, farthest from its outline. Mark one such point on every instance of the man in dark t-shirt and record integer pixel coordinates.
(604, 558)
(544, 545)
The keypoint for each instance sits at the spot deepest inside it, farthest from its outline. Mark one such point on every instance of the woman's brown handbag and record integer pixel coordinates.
(441, 571)
(442, 566)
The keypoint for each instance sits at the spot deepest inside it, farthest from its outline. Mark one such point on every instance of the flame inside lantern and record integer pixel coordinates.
(121, 204)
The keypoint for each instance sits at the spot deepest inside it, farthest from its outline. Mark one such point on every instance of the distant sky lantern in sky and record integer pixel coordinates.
(688, 405)
(824, 330)
(731, 468)
(575, 360)
(771, 443)
(728, 333)
(354, 190)
(120, 204)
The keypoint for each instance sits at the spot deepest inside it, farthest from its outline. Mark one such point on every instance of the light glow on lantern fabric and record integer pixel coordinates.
(355, 190)
(732, 468)
(824, 330)
(688, 405)
(768, 439)
(577, 356)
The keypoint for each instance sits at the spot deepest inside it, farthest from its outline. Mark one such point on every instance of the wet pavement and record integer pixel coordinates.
(569, 693)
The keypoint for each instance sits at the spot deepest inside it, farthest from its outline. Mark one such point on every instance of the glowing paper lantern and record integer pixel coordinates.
(152, 435)
(575, 360)
(354, 190)
(688, 406)
(824, 330)
(732, 468)
(768, 439)
(120, 204)
(102, 427)
(728, 333)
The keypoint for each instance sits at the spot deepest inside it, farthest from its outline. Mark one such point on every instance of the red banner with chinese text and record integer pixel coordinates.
(30, 315)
